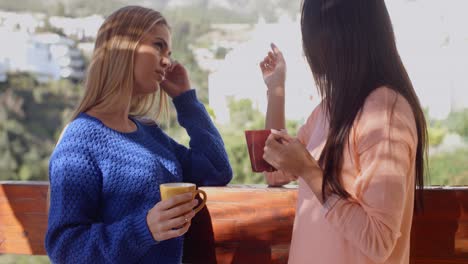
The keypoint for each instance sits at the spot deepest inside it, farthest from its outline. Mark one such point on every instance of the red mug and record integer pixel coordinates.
(256, 144)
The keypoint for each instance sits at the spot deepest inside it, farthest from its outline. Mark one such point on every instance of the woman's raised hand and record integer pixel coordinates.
(273, 69)
(172, 217)
(176, 80)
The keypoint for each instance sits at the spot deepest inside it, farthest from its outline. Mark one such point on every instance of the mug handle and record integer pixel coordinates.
(203, 194)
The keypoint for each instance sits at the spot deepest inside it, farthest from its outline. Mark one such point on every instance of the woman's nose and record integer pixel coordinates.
(165, 62)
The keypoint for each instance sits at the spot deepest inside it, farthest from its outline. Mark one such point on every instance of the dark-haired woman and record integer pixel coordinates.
(359, 158)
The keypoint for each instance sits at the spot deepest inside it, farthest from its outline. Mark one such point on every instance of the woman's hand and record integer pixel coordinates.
(176, 81)
(172, 217)
(289, 155)
(273, 69)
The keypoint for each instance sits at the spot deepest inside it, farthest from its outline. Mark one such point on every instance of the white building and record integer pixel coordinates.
(46, 56)
(63, 55)
(25, 22)
(81, 28)
(210, 4)
(14, 52)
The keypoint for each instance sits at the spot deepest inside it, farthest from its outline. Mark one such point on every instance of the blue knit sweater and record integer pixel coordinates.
(103, 183)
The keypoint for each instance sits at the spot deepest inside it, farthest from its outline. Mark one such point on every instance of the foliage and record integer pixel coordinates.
(30, 120)
(19, 259)
(449, 168)
(458, 122)
(221, 53)
(436, 134)
(63, 7)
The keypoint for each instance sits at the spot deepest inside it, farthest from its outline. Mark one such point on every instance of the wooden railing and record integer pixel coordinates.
(246, 224)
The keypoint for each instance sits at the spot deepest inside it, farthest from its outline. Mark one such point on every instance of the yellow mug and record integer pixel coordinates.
(171, 189)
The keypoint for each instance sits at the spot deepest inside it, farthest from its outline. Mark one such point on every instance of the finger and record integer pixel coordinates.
(278, 139)
(178, 69)
(179, 210)
(264, 61)
(273, 144)
(178, 221)
(291, 176)
(262, 66)
(275, 49)
(274, 154)
(177, 232)
(273, 139)
(175, 200)
(271, 64)
(271, 56)
(282, 134)
(271, 158)
(268, 156)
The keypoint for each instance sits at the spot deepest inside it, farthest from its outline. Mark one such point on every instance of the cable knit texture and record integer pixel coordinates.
(103, 183)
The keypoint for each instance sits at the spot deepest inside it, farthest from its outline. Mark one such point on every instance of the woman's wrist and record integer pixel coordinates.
(276, 91)
(313, 176)
(184, 100)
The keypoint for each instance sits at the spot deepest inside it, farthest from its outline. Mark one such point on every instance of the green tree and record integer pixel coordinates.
(458, 122)
(448, 168)
(19, 259)
(187, 25)
(30, 120)
(436, 133)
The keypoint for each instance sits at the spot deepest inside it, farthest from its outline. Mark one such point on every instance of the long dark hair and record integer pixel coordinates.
(350, 47)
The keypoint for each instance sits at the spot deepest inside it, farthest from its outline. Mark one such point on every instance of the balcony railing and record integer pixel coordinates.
(246, 224)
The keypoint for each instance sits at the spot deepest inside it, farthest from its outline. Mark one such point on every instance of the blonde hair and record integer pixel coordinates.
(110, 73)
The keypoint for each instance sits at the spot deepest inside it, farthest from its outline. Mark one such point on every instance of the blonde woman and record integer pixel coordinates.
(105, 172)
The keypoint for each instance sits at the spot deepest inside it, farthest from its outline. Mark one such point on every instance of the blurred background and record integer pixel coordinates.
(45, 47)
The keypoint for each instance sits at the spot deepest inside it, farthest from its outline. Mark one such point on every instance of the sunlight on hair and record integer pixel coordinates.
(110, 73)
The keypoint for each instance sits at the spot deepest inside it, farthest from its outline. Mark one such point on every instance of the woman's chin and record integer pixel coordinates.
(153, 88)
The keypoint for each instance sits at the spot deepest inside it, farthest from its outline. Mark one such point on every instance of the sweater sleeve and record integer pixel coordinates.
(75, 232)
(385, 151)
(206, 162)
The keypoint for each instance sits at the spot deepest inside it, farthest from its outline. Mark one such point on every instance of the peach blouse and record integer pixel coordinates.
(378, 171)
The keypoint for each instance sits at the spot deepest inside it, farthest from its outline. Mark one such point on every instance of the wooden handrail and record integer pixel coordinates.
(246, 224)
